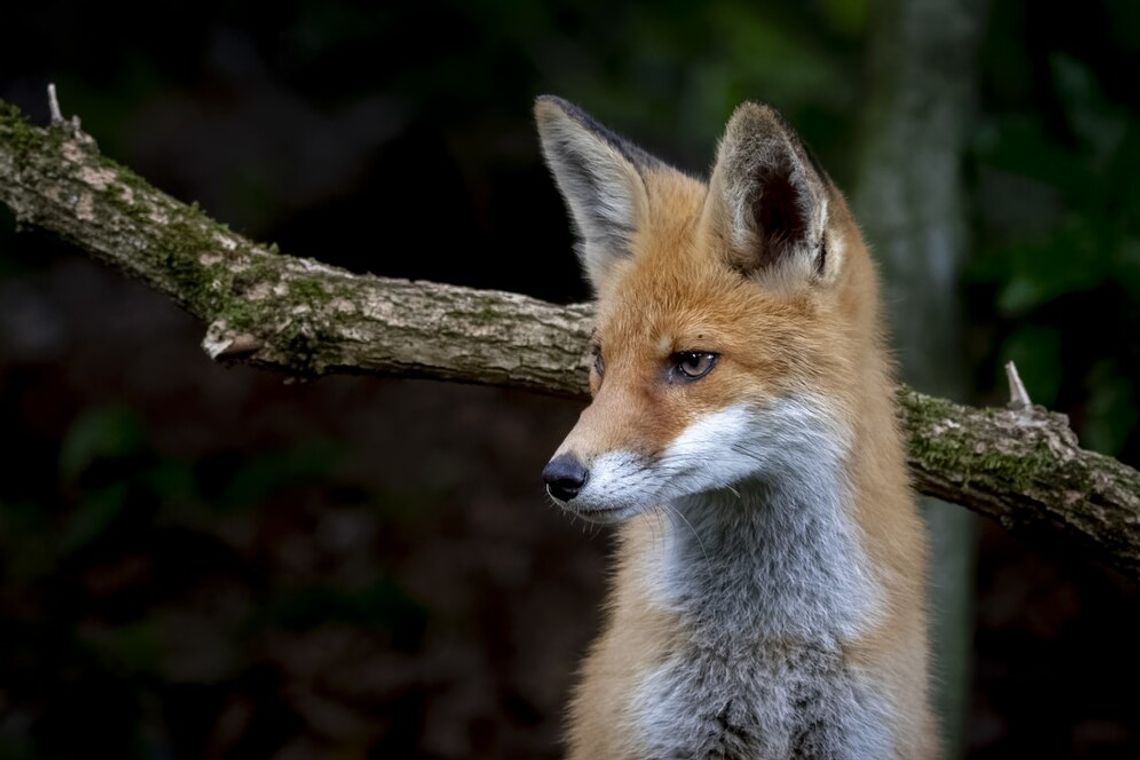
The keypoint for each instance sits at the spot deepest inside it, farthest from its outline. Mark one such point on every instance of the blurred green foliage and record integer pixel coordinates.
(1055, 277)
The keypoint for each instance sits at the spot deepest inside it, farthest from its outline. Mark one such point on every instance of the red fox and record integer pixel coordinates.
(769, 595)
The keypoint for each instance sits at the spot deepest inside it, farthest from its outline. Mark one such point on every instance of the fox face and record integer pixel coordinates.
(724, 315)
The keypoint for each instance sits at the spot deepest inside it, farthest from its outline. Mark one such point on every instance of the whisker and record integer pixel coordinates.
(659, 534)
(700, 543)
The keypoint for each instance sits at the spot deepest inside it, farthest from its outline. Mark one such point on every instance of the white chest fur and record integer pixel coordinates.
(767, 580)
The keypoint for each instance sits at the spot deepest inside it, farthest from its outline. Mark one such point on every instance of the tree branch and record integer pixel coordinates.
(1020, 466)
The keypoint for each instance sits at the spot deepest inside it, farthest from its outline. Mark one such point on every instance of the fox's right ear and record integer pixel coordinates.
(770, 203)
(599, 175)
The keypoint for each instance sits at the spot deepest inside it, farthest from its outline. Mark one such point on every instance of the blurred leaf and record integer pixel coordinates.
(382, 605)
(846, 16)
(94, 515)
(264, 474)
(134, 648)
(786, 66)
(1019, 144)
(172, 481)
(1071, 260)
(107, 432)
(1112, 412)
(1089, 115)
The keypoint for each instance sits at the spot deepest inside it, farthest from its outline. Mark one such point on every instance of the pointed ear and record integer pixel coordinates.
(769, 202)
(599, 175)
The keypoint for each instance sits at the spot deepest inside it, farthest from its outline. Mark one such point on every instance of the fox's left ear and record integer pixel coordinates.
(599, 175)
(769, 203)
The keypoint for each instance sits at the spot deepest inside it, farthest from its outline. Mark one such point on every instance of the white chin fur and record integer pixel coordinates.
(715, 452)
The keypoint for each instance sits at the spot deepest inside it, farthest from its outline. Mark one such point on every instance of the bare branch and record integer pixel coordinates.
(57, 119)
(1022, 467)
(1018, 396)
(53, 105)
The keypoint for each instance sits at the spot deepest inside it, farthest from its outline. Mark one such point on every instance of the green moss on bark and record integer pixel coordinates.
(18, 133)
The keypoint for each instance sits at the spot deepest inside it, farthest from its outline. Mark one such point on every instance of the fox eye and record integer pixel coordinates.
(692, 365)
(599, 362)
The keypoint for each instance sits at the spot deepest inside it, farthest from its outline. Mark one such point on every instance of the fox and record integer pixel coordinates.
(768, 597)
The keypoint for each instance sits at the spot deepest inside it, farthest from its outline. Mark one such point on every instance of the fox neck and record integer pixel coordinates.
(776, 557)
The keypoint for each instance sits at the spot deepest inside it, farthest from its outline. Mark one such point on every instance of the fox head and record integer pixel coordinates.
(730, 314)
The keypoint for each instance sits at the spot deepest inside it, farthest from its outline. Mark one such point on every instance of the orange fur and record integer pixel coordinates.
(679, 291)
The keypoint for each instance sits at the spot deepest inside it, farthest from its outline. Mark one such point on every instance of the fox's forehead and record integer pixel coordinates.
(659, 305)
(654, 310)
(674, 290)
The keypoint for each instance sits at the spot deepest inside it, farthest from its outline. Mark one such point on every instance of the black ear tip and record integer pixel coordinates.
(546, 102)
(758, 116)
(553, 106)
(549, 109)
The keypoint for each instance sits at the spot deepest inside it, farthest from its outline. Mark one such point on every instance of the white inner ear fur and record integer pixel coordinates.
(602, 189)
(836, 248)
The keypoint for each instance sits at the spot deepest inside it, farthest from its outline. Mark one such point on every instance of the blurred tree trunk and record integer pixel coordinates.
(909, 197)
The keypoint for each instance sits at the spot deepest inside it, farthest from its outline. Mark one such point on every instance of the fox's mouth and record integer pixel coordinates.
(600, 512)
(600, 515)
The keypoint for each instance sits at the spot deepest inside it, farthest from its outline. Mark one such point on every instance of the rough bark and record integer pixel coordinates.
(304, 318)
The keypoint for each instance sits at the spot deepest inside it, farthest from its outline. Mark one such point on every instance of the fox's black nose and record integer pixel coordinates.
(564, 476)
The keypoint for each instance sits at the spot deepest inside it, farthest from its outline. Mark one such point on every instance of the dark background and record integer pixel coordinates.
(209, 562)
